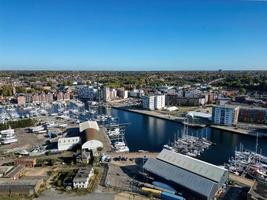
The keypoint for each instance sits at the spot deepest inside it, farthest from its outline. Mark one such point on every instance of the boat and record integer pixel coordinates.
(8, 136)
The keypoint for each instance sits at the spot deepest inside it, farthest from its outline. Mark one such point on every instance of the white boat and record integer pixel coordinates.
(8, 136)
(36, 129)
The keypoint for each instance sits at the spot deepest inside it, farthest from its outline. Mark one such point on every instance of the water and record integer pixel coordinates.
(150, 133)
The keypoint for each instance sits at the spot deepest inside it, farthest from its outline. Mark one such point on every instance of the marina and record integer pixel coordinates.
(155, 133)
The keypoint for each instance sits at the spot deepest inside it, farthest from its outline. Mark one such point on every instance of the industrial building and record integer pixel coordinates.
(91, 146)
(200, 178)
(68, 143)
(81, 179)
(225, 115)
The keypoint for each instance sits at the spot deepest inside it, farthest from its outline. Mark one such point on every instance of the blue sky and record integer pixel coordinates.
(133, 35)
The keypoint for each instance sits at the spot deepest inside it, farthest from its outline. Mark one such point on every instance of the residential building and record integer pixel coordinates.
(177, 100)
(256, 115)
(21, 100)
(113, 94)
(122, 93)
(136, 93)
(225, 115)
(153, 102)
(159, 102)
(106, 94)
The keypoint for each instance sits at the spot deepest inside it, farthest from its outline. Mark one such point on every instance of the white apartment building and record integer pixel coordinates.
(106, 94)
(113, 94)
(159, 102)
(153, 102)
(225, 115)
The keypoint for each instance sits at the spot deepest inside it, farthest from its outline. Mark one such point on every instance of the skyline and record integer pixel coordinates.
(133, 35)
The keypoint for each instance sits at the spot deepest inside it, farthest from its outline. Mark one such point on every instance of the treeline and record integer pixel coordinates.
(18, 124)
(245, 82)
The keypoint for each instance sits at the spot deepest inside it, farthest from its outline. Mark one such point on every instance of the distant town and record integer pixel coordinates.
(61, 134)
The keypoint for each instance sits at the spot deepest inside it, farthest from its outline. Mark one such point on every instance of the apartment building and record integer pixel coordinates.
(225, 115)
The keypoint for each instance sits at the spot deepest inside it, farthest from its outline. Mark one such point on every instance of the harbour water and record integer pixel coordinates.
(150, 133)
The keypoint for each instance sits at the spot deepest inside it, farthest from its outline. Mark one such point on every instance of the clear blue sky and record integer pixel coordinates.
(133, 34)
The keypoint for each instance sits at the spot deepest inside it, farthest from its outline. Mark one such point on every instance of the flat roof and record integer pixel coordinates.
(88, 124)
(196, 166)
(189, 180)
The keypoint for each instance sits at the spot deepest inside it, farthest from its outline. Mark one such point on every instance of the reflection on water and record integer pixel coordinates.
(150, 133)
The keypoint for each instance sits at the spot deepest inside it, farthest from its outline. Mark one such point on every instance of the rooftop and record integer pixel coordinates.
(88, 124)
(181, 177)
(196, 166)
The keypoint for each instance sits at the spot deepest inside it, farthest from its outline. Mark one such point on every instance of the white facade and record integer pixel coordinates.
(154, 102)
(225, 115)
(106, 94)
(68, 143)
(113, 94)
(81, 180)
(149, 102)
(159, 102)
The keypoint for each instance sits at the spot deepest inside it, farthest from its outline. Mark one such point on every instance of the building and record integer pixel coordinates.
(113, 94)
(176, 100)
(27, 162)
(81, 179)
(67, 143)
(21, 100)
(256, 115)
(122, 93)
(136, 93)
(106, 94)
(60, 96)
(148, 102)
(21, 186)
(15, 173)
(159, 102)
(200, 179)
(153, 102)
(91, 146)
(87, 92)
(225, 115)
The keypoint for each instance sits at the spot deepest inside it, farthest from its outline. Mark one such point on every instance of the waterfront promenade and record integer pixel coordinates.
(153, 114)
(180, 120)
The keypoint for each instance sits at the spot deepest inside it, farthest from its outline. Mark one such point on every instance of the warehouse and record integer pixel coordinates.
(91, 146)
(201, 178)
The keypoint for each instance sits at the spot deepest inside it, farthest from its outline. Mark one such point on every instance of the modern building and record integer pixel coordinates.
(225, 115)
(106, 94)
(159, 102)
(256, 115)
(81, 179)
(201, 179)
(153, 102)
(136, 93)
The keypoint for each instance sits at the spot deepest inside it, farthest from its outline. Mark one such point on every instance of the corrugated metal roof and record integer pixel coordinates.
(88, 124)
(196, 166)
(181, 177)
